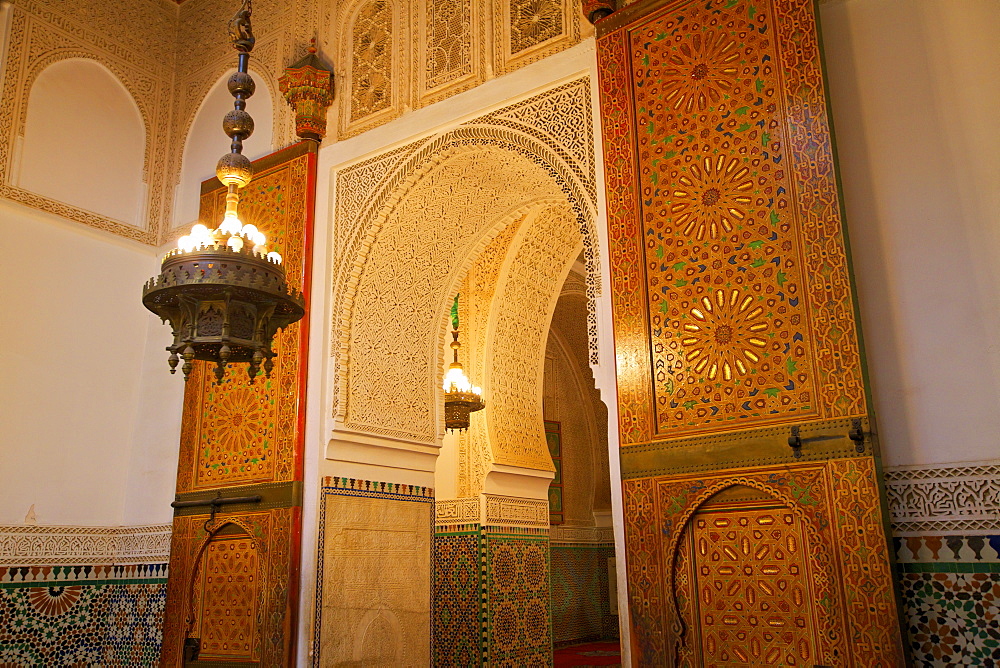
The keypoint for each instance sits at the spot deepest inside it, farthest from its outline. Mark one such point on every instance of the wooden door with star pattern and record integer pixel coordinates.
(754, 511)
(233, 579)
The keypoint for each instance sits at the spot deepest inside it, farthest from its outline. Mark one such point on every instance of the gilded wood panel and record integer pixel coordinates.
(850, 597)
(734, 318)
(236, 433)
(195, 606)
(732, 297)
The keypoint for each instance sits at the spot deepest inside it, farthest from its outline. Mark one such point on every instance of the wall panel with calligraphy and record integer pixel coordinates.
(735, 324)
(240, 439)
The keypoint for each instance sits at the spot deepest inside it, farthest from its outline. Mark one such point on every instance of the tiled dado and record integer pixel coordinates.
(946, 537)
(67, 598)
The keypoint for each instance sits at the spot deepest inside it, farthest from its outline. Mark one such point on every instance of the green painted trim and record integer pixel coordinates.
(274, 495)
(70, 583)
(950, 567)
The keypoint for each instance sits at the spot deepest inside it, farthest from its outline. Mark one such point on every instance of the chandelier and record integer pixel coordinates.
(461, 398)
(223, 293)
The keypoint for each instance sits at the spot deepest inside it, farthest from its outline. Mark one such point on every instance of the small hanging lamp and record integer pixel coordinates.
(461, 397)
(222, 291)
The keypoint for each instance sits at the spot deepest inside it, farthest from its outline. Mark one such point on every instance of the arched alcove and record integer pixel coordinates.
(421, 244)
(84, 141)
(206, 143)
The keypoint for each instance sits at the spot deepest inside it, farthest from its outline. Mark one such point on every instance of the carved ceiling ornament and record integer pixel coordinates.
(440, 202)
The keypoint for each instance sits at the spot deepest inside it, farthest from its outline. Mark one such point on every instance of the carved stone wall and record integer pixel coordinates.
(373, 591)
(394, 56)
(404, 247)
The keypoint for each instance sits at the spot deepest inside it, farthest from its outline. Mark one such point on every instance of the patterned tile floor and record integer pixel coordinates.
(605, 653)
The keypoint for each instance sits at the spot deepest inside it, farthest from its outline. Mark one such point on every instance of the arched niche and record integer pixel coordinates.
(206, 142)
(84, 141)
(420, 245)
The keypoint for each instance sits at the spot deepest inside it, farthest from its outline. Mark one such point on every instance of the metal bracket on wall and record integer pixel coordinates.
(857, 435)
(215, 504)
(795, 442)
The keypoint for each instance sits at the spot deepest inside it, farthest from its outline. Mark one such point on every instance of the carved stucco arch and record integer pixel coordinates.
(397, 300)
(122, 76)
(540, 256)
(816, 555)
(437, 152)
(572, 177)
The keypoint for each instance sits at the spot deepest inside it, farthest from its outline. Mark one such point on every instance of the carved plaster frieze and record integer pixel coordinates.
(510, 511)
(457, 511)
(561, 533)
(60, 545)
(952, 499)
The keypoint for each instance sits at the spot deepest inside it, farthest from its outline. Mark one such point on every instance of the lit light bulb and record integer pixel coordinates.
(259, 239)
(455, 381)
(248, 231)
(186, 244)
(235, 243)
(260, 249)
(231, 224)
(199, 230)
(274, 257)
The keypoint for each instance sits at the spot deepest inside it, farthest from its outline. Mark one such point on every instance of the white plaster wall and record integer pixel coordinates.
(77, 110)
(73, 348)
(206, 142)
(914, 97)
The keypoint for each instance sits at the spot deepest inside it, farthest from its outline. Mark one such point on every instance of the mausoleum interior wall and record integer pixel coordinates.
(90, 426)
(917, 146)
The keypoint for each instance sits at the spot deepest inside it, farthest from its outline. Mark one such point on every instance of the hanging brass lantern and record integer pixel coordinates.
(461, 397)
(223, 293)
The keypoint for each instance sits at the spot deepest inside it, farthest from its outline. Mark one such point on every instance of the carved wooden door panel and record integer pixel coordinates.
(233, 580)
(736, 336)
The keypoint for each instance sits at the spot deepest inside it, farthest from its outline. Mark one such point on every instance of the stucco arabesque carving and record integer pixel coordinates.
(574, 535)
(509, 511)
(456, 511)
(394, 56)
(962, 499)
(61, 545)
(557, 152)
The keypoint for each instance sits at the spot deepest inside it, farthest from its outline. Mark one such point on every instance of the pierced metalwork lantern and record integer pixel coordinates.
(224, 294)
(461, 397)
